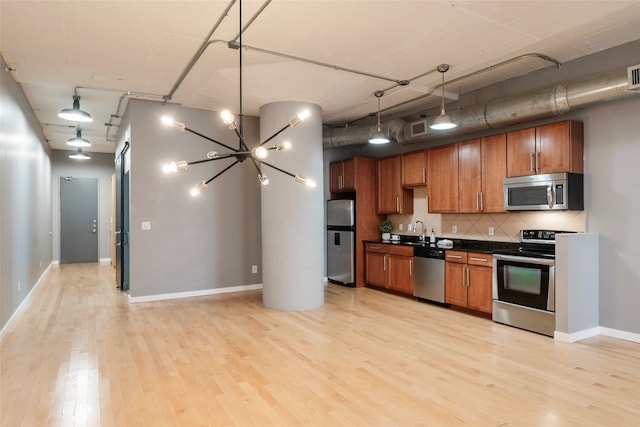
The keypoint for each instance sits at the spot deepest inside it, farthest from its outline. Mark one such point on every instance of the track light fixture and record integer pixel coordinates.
(443, 121)
(378, 137)
(75, 114)
(78, 140)
(257, 154)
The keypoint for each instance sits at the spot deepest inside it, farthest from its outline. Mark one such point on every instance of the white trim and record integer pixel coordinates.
(623, 335)
(55, 262)
(576, 336)
(107, 260)
(592, 332)
(24, 302)
(191, 294)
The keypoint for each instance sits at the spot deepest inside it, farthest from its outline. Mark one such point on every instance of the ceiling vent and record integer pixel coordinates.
(633, 74)
(419, 128)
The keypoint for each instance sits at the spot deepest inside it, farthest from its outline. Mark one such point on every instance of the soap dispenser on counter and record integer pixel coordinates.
(432, 237)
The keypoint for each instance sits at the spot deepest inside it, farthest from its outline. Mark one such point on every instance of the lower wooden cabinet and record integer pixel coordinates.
(389, 266)
(468, 278)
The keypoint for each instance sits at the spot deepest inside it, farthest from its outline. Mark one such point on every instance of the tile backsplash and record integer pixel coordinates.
(506, 226)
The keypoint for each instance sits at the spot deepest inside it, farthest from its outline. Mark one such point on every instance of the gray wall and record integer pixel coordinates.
(200, 243)
(101, 167)
(25, 198)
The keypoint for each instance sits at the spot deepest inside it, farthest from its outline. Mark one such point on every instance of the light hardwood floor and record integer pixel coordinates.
(79, 355)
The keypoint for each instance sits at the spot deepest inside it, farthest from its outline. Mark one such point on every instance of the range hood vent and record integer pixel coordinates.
(634, 77)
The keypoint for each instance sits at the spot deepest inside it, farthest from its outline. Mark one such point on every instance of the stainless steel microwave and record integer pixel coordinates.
(545, 192)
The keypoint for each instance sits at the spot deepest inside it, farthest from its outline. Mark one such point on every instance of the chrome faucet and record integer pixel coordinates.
(421, 235)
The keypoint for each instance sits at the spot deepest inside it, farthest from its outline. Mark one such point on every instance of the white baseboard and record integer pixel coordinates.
(592, 332)
(191, 294)
(25, 301)
(104, 260)
(623, 335)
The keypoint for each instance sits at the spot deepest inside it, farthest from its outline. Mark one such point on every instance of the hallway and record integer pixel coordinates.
(80, 355)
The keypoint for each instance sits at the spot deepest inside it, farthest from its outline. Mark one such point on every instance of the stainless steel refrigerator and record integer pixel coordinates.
(341, 232)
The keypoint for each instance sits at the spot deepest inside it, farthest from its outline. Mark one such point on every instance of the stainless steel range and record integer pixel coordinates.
(524, 283)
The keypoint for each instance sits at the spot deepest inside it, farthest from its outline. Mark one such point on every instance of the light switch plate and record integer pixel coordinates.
(146, 225)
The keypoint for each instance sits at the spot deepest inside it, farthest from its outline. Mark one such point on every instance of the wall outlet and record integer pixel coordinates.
(490, 231)
(454, 229)
(400, 227)
(409, 227)
(254, 269)
(146, 225)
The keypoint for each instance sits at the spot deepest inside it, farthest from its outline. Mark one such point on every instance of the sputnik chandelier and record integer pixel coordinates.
(257, 154)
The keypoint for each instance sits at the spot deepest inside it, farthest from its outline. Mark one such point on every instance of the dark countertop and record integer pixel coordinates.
(485, 246)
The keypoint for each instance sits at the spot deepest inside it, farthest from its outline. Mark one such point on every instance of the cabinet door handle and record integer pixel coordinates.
(531, 161)
(468, 277)
(411, 267)
(478, 201)
(424, 175)
(340, 182)
(374, 247)
(478, 259)
(397, 204)
(454, 256)
(384, 263)
(481, 201)
(537, 162)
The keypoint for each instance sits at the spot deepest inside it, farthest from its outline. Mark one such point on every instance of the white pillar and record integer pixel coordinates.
(292, 214)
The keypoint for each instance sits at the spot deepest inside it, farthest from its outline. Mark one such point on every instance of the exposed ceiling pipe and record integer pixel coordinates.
(550, 101)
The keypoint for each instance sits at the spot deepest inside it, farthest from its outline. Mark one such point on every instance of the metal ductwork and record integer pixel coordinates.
(551, 101)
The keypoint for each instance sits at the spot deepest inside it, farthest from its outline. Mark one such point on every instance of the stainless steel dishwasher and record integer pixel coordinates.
(429, 273)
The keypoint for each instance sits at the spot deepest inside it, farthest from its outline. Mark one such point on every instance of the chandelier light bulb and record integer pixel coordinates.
(264, 180)
(173, 167)
(169, 121)
(212, 155)
(306, 181)
(284, 146)
(198, 188)
(300, 116)
(260, 152)
(228, 119)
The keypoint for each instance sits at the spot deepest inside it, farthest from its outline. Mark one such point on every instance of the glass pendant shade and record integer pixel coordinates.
(75, 114)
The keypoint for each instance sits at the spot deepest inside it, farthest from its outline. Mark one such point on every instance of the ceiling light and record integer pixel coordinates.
(79, 155)
(443, 121)
(257, 154)
(378, 137)
(78, 140)
(75, 114)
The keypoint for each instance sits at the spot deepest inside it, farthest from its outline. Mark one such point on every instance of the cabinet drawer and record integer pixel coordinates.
(456, 256)
(376, 247)
(401, 250)
(479, 258)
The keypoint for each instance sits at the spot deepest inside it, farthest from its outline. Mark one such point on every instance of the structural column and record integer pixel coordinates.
(292, 214)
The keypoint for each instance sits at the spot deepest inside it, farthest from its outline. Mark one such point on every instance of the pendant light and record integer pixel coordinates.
(378, 137)
(79, 155)
(75, 114)
(78, 140)
(443, 121)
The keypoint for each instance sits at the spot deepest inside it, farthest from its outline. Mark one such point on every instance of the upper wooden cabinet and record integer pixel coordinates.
(342, 176)
(442, 176)
(552, 148)
(391, 197)
(414, 169)
(468, 176)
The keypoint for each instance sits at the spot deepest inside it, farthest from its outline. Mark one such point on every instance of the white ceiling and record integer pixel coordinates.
(111, 50)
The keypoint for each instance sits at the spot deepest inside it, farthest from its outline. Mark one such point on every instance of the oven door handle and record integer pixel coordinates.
(530, 260)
